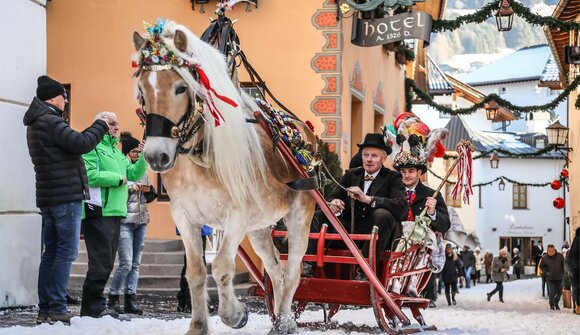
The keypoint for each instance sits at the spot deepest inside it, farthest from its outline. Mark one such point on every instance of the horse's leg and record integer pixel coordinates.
(298, 222)
(232, 312)
(265, 249)
(196, 272)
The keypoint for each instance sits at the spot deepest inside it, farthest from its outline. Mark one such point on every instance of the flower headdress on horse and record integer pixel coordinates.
(157, 54)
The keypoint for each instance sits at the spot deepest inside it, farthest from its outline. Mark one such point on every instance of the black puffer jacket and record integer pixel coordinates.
(55, 150)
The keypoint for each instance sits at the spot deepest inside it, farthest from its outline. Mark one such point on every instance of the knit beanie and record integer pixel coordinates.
(128, 142)
(48, 88)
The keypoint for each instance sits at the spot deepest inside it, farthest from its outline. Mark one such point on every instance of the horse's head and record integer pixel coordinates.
(184, 87)
(168, 90)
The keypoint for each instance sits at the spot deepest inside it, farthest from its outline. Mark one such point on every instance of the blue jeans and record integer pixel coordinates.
(468, 271)
(131, 243)
(60, 236)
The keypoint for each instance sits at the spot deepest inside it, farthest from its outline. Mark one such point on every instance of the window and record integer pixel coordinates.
(255, 91)
(502, 90)
(540, 143)
(520, 196)
(163, 196)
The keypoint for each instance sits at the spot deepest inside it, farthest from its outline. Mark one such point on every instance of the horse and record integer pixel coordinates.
(227, 173)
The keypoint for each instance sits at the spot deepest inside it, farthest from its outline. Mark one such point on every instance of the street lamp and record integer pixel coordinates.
(501, 184)
(504, 16)
(494, 161)
(491, 110)
(557, 134)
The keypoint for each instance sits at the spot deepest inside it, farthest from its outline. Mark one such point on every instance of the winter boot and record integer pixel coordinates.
(577, 309)
(453, 299)
(501, 298)
(131, 306)
(448, 299)
(114, 304)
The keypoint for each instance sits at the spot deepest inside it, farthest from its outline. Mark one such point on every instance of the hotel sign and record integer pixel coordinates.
(373, 32)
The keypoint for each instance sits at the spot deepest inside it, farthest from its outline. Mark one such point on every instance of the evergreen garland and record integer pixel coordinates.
(510, 154)
(494, 180)
(517, 110)
(332, 162)
(489, 10)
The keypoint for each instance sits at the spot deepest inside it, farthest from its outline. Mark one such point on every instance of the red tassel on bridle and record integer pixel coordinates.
(218, 117)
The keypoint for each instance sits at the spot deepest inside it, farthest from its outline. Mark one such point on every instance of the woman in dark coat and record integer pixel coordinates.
(450, 273)
(572, 260)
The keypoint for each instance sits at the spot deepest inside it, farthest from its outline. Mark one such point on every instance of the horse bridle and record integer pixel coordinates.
(187, 126)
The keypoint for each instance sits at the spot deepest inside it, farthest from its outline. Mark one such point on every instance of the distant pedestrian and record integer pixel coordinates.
(61, 185)
(468, 260)
(517, 262)
(450, 274)
(478, 265)
(541, 274)
(553, 268)
(487, 260)
(499, 268)
(537, 252)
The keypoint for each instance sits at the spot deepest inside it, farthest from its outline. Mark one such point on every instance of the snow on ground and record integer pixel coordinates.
(524, 312)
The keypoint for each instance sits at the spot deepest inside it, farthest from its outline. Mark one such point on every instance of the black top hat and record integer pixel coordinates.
(48, 88)
(374, 140)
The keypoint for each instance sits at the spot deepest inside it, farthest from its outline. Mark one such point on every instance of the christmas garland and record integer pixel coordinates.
(510, 154)
(411, 87)
(494, 180)
(489, 10)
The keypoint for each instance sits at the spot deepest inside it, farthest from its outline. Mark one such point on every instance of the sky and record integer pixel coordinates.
(524, 312)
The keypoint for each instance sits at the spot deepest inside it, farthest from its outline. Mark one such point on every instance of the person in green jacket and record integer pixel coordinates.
(108, 171)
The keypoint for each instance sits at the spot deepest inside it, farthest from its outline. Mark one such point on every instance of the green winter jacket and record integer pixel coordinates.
(107, 169)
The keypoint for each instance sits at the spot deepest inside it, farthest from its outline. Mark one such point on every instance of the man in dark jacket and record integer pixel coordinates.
(468, 259)
(61, 186)
(378, 193)
(553, 267)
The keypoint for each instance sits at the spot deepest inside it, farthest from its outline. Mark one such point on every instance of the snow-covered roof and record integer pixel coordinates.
(551, 72)
(523, 65)
(438, 83)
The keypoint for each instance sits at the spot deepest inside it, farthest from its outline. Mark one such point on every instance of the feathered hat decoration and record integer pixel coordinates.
(418, 145)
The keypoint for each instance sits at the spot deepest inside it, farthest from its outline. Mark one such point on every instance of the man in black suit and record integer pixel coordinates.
(419, 197)
(378, 193)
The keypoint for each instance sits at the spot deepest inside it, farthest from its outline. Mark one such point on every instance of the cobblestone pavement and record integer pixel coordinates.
(154, 306)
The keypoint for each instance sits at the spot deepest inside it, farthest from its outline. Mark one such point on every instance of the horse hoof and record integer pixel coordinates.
(243, 321)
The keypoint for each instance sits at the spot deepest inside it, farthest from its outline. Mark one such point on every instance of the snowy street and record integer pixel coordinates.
(524, 312)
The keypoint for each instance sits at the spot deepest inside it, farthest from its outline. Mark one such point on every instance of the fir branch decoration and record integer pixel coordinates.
(517, 110)
(490, 9)
(494, 180)
(509, 154)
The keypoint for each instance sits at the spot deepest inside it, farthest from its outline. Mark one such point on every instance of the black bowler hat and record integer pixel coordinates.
(48, 88)
(375, 140)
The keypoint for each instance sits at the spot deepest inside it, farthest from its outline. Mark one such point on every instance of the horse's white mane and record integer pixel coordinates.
(234, 147)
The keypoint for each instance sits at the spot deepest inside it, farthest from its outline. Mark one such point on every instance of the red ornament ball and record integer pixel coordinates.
(556, 184)
(134, 64)
(559, 203)
(564, 173)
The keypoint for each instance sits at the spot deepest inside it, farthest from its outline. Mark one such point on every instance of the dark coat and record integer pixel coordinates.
(553, 266)
(468, 258)
(387, 188)
(55, 150)
(488, 259)
(451, 269)
(422, 192)
(572, 257)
